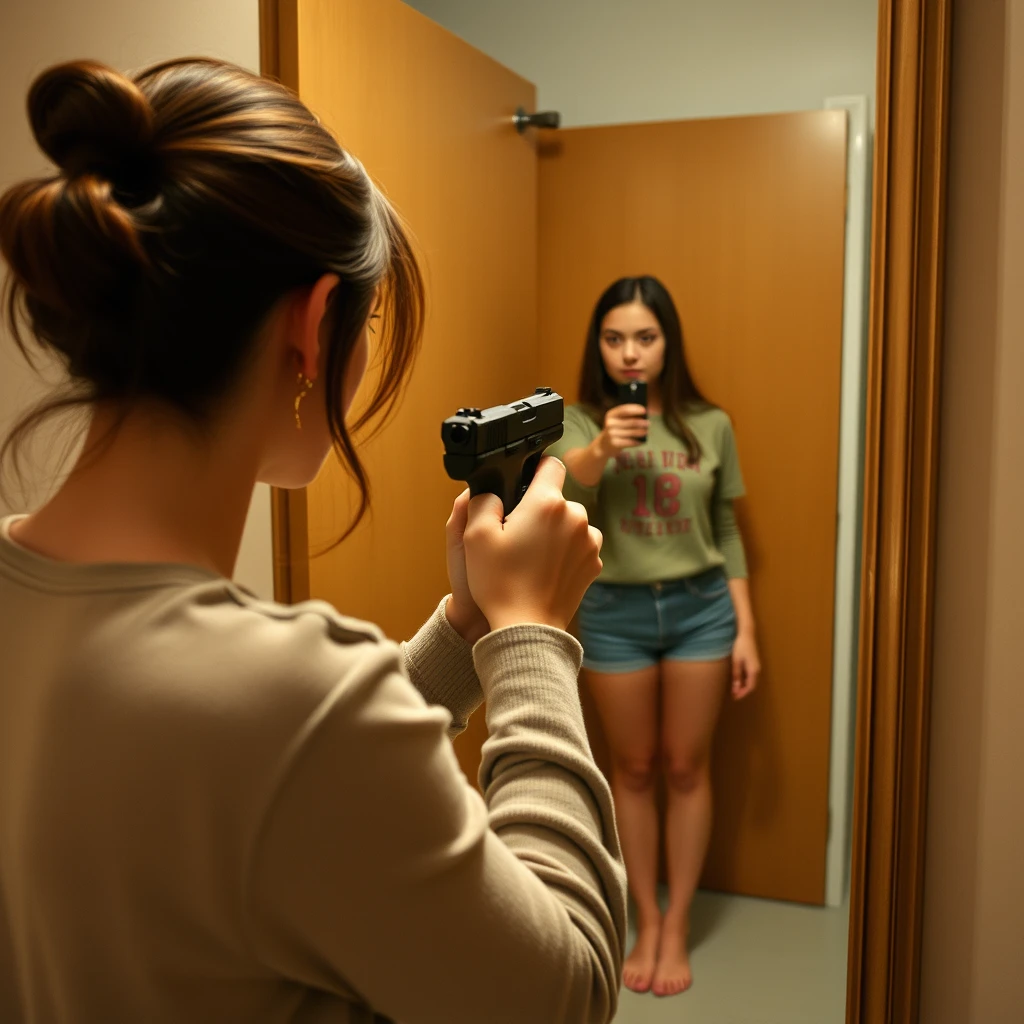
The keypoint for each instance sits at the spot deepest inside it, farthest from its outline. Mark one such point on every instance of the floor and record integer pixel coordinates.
(755, 962)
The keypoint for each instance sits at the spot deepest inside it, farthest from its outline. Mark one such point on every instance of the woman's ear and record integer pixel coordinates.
(308, 314)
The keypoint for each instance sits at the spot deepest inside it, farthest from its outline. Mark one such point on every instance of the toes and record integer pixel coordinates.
(672, 985)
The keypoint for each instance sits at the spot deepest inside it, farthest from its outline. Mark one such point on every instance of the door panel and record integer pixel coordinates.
(430, 117)
(743, 219)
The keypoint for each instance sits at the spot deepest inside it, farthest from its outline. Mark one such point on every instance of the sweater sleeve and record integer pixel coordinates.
(440, 665)
(379, 871)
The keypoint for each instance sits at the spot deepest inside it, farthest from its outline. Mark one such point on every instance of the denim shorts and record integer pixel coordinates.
(625, 627)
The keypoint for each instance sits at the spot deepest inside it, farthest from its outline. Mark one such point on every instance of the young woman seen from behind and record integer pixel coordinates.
(215, 808)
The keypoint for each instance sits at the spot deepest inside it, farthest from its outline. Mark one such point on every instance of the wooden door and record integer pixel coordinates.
(743, 220)
(430, 118)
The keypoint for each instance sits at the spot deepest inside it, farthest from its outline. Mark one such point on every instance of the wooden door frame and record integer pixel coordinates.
(279, 59)
(900, 491)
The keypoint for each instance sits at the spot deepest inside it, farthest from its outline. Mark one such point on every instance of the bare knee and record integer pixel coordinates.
(636, 774)
(686, 774)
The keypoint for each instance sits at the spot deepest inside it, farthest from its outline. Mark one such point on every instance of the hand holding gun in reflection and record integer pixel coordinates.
(497, 450)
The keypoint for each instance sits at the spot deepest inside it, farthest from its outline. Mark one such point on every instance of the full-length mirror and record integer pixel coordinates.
(734, 566)
(698, 225)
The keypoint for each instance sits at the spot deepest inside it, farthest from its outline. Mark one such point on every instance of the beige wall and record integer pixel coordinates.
(974, 885)
(617, 61)
(126, 34)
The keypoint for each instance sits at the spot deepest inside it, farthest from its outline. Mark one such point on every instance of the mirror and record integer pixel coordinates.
(743, 221)
(741, 210)
(717, 155)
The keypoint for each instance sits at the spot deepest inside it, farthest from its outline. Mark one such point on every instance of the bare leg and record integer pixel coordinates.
(691, 699)
(627, 704)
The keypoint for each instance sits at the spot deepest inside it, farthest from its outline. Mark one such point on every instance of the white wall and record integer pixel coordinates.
(125, 34)
(614, 61)
(974, 883)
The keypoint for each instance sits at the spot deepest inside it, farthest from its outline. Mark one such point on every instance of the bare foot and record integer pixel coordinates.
(638, 970)
(672, 974)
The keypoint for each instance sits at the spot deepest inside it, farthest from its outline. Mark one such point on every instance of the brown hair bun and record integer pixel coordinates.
(89, 118)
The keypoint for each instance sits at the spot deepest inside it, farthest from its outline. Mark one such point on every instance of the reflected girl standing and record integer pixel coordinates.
(669, 623)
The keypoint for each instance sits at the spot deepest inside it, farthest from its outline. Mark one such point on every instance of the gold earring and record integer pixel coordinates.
(305, 383)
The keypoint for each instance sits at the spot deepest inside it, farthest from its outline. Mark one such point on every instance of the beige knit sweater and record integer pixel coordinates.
(214, 808)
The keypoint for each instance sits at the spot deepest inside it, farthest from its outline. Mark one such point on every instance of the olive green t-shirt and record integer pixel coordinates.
(663, 515)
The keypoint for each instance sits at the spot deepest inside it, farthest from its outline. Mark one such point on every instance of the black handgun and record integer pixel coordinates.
(498, 449)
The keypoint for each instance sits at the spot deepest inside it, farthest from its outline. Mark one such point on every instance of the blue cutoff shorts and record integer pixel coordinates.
(626, 627)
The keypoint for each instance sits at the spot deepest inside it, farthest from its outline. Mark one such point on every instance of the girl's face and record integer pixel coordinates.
(632, 344)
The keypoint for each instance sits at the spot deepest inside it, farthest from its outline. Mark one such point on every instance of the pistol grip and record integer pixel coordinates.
(508, 479)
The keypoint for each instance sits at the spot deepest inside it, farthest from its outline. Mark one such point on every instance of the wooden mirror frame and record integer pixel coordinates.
(901, 449)
(900, 491)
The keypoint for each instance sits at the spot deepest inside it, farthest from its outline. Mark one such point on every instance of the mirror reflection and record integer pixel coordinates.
(668, 627)
(722, 250)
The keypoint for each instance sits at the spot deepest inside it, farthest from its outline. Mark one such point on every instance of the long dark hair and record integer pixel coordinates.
(190, 197)
(679, 391)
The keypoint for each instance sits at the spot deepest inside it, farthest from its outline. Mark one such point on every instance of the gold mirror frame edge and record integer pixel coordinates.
(900, 473)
